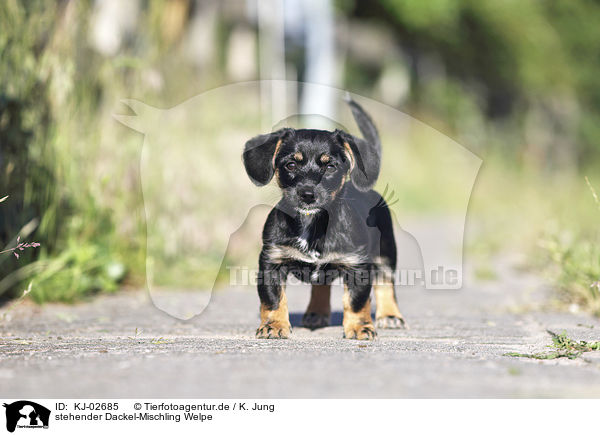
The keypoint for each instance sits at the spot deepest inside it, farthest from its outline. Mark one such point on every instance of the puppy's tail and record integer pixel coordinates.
(364, 122)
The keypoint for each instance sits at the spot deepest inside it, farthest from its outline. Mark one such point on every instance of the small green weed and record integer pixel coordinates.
(485, 273)
(160, 340)
(513, 371)
(563, 347)
(137, 333)
(5, 314)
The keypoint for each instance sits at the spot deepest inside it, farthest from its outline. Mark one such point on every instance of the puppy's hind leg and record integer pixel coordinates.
(387, 314)
(318, 312)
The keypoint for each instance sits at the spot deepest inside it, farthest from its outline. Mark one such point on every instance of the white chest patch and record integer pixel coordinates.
(281, 254)
(300, 252)
(302, 243)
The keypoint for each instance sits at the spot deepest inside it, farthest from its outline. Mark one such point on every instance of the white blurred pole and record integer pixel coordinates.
(110, 22)
(320, 58)
(271, 52)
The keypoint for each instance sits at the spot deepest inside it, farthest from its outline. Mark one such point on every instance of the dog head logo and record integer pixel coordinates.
(202, 214)
(26, 414)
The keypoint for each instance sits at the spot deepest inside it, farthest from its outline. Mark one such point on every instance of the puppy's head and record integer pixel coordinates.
(311, 166)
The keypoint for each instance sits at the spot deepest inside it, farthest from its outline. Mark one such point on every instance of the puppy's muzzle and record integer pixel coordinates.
(306, 195)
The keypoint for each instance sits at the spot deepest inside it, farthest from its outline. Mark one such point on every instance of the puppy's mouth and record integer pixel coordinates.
(308, 210)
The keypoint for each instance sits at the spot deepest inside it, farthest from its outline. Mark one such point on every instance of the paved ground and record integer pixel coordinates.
(454, 348)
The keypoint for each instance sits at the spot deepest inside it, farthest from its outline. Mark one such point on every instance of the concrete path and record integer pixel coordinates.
(454, 348)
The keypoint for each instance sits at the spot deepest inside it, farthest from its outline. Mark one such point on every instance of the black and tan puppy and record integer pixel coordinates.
(329, 223)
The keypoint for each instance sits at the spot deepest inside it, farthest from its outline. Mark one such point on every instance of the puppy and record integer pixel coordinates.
(328, 224)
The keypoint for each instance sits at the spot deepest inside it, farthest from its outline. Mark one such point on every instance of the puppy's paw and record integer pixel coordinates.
(391, 322)
(312, 320)
(361, 331)
(274, 329)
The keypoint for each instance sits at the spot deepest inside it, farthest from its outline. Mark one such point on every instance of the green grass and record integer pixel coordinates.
(573, 263)
(551, 220)
(70, 170)
(572, 258)
(49, 139)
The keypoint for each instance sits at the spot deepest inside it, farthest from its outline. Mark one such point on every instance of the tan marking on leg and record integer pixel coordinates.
(387, 314)
(275, 323)
(318, 312)
(357, 325)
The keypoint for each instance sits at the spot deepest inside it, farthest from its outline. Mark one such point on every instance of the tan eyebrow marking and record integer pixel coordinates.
(325, 158)
(298, 157)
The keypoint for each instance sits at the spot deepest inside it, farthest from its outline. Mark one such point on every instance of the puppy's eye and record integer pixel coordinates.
(330, 168)
(290, 166)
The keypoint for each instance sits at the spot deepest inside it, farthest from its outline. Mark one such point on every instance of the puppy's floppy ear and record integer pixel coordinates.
(259, 155)
(365, 153)
(365, 160)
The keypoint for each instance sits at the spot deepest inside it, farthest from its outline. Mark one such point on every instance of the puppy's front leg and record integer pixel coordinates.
(274, 316)
(357, 322)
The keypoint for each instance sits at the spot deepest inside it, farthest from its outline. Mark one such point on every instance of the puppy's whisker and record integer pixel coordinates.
(384, 191)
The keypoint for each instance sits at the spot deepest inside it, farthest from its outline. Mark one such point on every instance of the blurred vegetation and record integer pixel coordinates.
(49, 98)
(515, 82)
(575, 254)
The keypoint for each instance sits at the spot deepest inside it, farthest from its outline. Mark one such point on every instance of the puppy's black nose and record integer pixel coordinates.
(307, 195)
